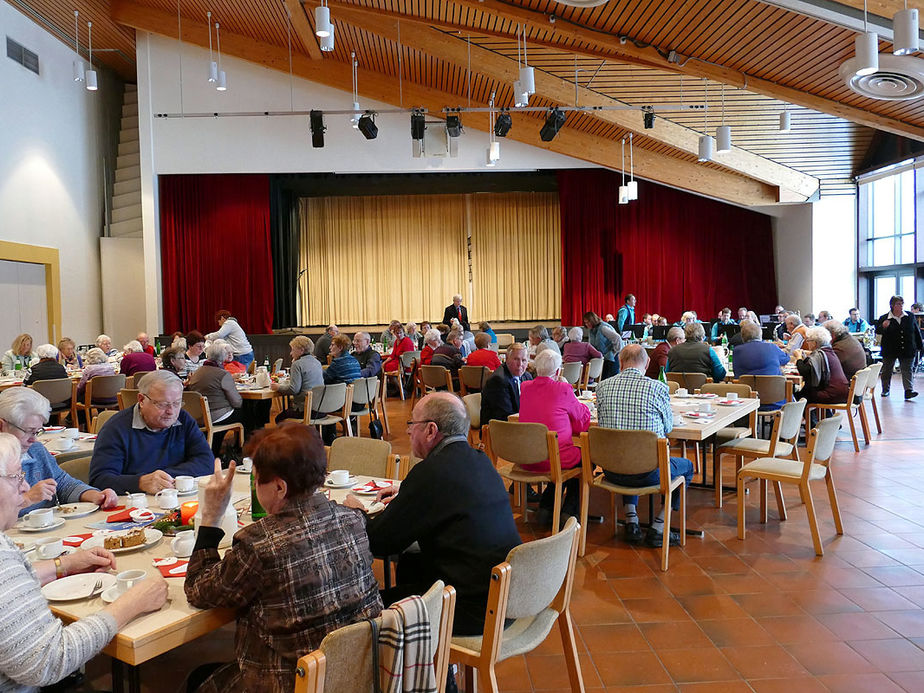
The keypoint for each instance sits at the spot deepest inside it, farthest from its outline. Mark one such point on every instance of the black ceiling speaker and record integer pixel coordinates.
(454, 125)
(418, 125)
(316, 122)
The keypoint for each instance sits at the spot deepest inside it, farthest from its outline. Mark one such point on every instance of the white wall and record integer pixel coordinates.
(25, 307)
(122, 261)
(50, 186)
(793, 258)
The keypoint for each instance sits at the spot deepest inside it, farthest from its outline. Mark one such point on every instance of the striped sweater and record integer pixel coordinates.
(36, 649)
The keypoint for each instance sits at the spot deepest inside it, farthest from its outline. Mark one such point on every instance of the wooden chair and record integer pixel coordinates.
(690, 381)
(343, 661)
(130, 382)
(277, 364)
(848, 406)
(532, 588)
(573, 373)
(363, 456)
(816, 466)
(99, 387)
(434, 377)
(472, 378)
(632, 452)
(513, 444)
(197, 406)
(332, 404)
(592, 373)
(127, 397)
(403, 376)
(473, 406)
(366, 396)
(382, 407)
(406, 463)
(672, 386)
(504, 340)
(252, 367)
(306, 415)
(101, 419)
(875, 370)
(769, 388)
(79, 468)
(61, 394)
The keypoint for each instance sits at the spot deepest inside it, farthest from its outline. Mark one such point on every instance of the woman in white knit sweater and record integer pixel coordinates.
(36, 649)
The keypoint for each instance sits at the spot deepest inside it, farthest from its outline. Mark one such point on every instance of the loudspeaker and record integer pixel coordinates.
(316, 123)
(418, 126)
(553, 123)
(453, 125)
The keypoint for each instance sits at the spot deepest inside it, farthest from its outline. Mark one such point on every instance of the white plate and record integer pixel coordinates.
(370, 492)
(78, 510)
(700, 415)
(706, 395)
(686, 396)
(730, 402)
(23, 527)
(349, 484)
(151, 537)
(77, 587)
(185, 494)
(53, 429)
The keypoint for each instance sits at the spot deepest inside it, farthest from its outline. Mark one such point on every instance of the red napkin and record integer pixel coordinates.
(165, 569)
(122, 516)
(80, 538)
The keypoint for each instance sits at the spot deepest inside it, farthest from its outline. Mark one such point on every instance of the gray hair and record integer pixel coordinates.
(836, 328)
(547, 363)
(694, 332)
(447, 411)
(217, 350)
(133, 347)
(179, 343)
(457, 296)
(47, 351)
(16, 403)
(434, 336)
(819, 335)
(363, 335)
(750, 331)
(96, 356)
(539, 331)
(633, 356)
(516, 346)
(576, 334)
(161, 377)
(410, 327)
(10, 451)
(674, 334)
(796, 320)
(102, 337)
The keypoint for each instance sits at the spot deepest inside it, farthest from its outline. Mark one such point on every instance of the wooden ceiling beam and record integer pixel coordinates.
(600, 44)
(304, 29)
(498, 67)
(703, 180)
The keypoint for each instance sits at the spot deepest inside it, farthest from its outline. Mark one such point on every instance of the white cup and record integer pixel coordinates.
(64, 444)
(127, 579)
(184, 484)
(731, 396)
(587, 394)
(339, 477)
(49, 548)
(705, 408)
(70, 433)
(40, 518)
(136, 500)
(166, 499)
(681, 391)
(247, 464)
(183, 543)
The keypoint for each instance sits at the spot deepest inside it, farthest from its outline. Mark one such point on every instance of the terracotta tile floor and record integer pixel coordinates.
(764, 614)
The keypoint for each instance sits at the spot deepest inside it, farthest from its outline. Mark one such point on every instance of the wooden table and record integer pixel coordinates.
(83, 446)
(702, 429)
(176, 623)
(260, 393)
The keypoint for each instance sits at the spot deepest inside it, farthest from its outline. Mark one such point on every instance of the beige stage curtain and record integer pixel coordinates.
(516, 256)
(371, 260)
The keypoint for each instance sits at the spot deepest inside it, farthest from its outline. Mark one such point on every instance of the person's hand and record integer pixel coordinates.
(386, 495)
(155, 481)
(148, 595)
(105, 499)
(352, 501)
(95, 560)
(274, 386)
(885, 324)
(217, 494)
(41, 491)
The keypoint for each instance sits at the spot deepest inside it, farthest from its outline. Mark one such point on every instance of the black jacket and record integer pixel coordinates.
(46, 369)
(500, 397)
(901, 339)
(451, 313)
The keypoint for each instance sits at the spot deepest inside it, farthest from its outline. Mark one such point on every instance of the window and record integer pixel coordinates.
(890, 221)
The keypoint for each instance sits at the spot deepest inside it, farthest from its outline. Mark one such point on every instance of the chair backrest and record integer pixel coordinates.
(252, 367)
(434, 376)
(624, 452)
(474, 377)
(408, 357)
(277, 364)
(104, 386)
(538, 571)
(595, 368)
(363, 456)
(691, 381)
(127, 398)
(366, 392)
(859, 383)
(792, 419)
(327, 399)
(100, 419)
(473, 406)
(80, 468)
(875, 370)
(572, 372)
(770, 388)
(743, 391)
(822, 439)
(520, 443)
(56, 391)
(130, 382)
(196, 405)
(504, 340)
(672, 386)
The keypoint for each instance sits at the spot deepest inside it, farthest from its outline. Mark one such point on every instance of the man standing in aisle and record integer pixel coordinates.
(625, 316)
(457, 311)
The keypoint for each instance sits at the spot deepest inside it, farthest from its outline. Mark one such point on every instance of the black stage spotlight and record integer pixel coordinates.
(453, 125)
(553, 122)
(316, 122)
(503, 124)
(649, 120)
(367, 125)
(418, 125)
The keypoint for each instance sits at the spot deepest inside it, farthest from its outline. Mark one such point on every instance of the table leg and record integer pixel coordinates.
(122, 673)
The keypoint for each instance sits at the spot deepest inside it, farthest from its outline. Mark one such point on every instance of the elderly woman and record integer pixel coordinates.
(432, 341)
(224, 352)
(37, 649)
(343, 368)
(549, 400)
(195, 350)
(486, 327)
(576, 350)
(230, 330)
(67, 353)
(483, 356)
(413, 334)
(20, 356)
(694, 355)
(97, 364)
(23, 412)
(604, 338)
(393, 363)
(48, 367)
(292, 577)
(901, 339)
(449, 355)
(834, 390)
(214, 383)
(136, 359)
(305, 373)
(560, 336)
(848, 348)
(104, 343)
(174, 360)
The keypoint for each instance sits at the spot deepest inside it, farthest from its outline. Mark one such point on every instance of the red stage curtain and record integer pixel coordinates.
(215, 251)
(673, 250)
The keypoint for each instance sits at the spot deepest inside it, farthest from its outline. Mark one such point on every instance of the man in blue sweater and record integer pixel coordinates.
(144, 447)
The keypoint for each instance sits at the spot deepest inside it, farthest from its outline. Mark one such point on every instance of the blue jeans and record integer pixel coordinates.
(245, 359)
(680, 466)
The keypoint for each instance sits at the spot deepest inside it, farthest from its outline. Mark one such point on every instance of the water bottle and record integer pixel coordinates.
(662, 376)
(256, 510)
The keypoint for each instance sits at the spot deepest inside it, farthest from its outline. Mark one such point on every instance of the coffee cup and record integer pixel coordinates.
(705, 408)
(71, 433)
(127, 579)
(731, 396)
(40, 518)
(681, 391)
(185, 484)
(166, 499)
(247, 464)
(339, 477)
(183, 543)
(136, 500)
(64, 444)
(49, 548)
(587, 394)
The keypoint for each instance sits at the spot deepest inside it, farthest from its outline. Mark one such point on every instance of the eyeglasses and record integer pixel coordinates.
(164, 406)
(30, 433)
(425, 421)
(18, 478)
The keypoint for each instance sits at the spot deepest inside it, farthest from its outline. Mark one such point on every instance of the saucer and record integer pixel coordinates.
(23, 527)
(351, 482)
(184, 494)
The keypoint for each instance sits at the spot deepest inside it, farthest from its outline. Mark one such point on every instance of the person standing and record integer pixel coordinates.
(457, 311)
(230, 331)
(625, 316)
(606, 340)
(901, 340)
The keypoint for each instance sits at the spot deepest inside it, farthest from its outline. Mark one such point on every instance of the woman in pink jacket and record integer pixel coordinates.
(551, 401)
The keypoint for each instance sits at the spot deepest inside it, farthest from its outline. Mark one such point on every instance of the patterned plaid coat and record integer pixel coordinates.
(292, 577)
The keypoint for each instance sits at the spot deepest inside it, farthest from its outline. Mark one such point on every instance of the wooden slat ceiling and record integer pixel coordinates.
(737, 36)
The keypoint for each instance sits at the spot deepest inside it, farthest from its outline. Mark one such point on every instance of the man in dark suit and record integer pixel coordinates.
(500, 396)
(456, 312)
(453, 505)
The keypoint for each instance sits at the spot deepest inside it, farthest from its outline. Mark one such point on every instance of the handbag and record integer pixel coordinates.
(375, 426)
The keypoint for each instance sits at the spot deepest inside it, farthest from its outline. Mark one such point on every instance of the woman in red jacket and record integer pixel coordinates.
(402, 343)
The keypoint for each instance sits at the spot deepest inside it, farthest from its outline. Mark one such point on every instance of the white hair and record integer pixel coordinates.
(433, 335)
(161, 377)
(457, 297)
(102, 338)
(217, 351)
(47, 351)
(96, 356)
(576, 334)
(16, 403)
(819, 335)
(410, 327)
(547, 363)
(133, 347)
(10, 451)
(180, 343)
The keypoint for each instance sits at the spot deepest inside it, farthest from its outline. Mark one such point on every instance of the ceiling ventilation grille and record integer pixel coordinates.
(22, 55)
(899, 78)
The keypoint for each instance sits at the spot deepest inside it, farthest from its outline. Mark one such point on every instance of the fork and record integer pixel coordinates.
(96, 588)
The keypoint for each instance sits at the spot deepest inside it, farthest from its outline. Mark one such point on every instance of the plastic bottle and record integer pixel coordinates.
(662, 376)
(256, 510)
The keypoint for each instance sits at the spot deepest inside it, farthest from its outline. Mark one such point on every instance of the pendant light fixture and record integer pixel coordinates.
(905, 31)
(723, 132)
(632, 188)
(322, 26)
(327, 42)
(213, 66)
(623, 188)
(492, 156)
(90, 75)
(354, 119)
(79, 68)
(785, 121)
(706, 142)
(866, 48)
(527, 74)
(222, 84)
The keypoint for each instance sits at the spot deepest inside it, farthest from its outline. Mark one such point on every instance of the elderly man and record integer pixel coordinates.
(453, 505)
(742, 313)
(322, 346)
(659, 355)
(539, 341)
(630, 401)
(625, 316)
(145, 343)
(370, 361)
(456, 311)
(755, 357)
(694, 356)
(848, 348)
(500, 396)
(23, 411)
(795, 332)
(144, 447)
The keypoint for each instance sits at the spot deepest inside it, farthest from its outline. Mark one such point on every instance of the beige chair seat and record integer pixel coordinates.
(789, 468)
(758, 445)
(524, 635)
(602, 482)
(730, 433)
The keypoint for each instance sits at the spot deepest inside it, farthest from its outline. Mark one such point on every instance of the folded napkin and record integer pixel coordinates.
(173, 570)
(123, 516)
(76, 539)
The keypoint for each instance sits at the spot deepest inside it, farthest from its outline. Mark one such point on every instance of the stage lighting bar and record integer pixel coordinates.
(553, 123)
